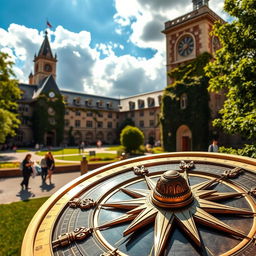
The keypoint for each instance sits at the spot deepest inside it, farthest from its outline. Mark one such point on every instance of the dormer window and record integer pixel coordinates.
(183, 101)
(76, 101)
(151, 102)
(99, 104)
(131, 105)
(88, 102)
(141, 103)
(109, 105)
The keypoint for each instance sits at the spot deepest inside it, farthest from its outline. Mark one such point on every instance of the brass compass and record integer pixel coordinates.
(188, 203)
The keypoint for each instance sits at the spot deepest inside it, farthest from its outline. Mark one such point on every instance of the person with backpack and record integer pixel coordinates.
(214, 146)
(44, 168)
(26, 171)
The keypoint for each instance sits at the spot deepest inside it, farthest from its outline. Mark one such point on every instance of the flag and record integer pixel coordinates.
(48, 24)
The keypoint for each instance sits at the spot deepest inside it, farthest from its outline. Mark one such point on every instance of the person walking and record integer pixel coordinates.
(44, 168)
(50, 166)
(214, 146)
(26, 171)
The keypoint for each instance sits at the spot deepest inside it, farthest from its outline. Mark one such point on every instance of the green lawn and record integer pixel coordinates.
(22, 150)
(64, 151)
(117, 148)
(9, 165)
(98, 158)
(14, 220)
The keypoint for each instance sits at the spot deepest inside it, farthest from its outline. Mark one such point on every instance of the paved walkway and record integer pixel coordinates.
(10, 189)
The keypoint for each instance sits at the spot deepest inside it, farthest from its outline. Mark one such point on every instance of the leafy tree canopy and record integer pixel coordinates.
(131, 138)
(234, 69)
(9, 94)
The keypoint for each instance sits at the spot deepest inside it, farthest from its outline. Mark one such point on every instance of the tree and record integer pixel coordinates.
(9, 94)
(234, 69)
(131, 138)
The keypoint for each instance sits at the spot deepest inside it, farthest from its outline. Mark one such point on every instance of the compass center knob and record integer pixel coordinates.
(172, 191)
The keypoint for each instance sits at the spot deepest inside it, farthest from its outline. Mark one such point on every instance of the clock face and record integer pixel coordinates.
(188, 204)
(48, 67)
(51, 94)
(185, 46)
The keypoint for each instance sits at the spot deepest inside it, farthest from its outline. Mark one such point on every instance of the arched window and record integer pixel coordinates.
(183, 101)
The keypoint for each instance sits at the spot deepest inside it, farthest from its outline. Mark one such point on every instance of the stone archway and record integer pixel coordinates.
(183, 138)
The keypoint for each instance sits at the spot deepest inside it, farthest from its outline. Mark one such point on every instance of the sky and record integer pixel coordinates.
(104, 47)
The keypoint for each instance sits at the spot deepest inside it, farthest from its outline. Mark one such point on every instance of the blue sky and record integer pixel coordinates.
(109, 47)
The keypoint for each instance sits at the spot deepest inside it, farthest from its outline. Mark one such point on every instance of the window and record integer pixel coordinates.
(183, 101)
(131, 105)
(117, 115)
(117, 124)
(100, 114)
(141, 113)
(66, 112)
(78, 113)
(89, 113)
(109, 114)
(151, 102)
(109, 124)
(141, 123)
(151, 123)
(109, 105)
(99, 104)
(100, 124)
(77, 123)
(141, 104)
(88, 102)
(151, 112)
(89, 124)
(132, 114)
(76, 101)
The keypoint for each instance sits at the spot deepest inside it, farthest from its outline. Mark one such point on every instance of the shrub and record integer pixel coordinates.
(247, 150)
(131, 138)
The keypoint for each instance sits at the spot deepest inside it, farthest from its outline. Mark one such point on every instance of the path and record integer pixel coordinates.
(10, 189)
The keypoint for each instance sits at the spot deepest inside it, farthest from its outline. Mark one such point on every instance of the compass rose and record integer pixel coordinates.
(173, 200)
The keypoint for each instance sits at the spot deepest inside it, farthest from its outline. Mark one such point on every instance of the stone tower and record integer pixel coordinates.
(44, 63)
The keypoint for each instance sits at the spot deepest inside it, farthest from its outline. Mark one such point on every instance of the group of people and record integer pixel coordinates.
(47, 167)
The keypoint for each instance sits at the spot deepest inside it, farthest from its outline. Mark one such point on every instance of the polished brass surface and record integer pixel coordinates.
(83, 204)
(38, 238)
(172, 191)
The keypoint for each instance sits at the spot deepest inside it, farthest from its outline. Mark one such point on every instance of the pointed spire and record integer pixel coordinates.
(45, 49)
(31, 74)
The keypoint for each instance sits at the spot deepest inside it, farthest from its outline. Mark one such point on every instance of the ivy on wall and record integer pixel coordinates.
(189, 79)
(42, 118)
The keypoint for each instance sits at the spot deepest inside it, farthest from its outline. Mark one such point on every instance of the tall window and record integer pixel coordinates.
(151, 123)
(89, 113)
(77, 123)
(78, 113)
(100, 124)
(183, 101)
(89, 124)
(109, 124)
(66, 121)
(141, 123)
(141, 113)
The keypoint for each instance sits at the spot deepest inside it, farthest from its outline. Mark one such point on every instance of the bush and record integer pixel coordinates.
(247, 150)
(132, 138)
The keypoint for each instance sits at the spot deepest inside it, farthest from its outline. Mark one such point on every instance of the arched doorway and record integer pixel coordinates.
(78, 137)
(183, 138)
(50, 139)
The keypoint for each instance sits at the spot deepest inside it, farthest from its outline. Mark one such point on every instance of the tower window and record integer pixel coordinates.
(183, 101)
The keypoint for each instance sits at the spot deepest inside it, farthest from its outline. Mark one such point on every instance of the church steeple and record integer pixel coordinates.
(45, 63)
(199, 3)
(45, 49)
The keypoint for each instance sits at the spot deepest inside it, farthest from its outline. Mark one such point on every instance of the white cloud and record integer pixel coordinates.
(81, 67)
(99, 70)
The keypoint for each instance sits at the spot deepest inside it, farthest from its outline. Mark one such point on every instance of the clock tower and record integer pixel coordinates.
(44, 63)
(187, 113)
(189, 35)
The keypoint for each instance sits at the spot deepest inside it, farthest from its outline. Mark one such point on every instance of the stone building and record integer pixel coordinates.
(90, 117)
(86, 117)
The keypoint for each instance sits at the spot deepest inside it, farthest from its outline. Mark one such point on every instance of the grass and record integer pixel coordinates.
(65, 151)
(98, 158)
(14, 220)
(22, 150)
(116, 148)
(9, 165)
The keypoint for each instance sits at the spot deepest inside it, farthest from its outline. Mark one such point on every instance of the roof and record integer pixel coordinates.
(45, 49)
